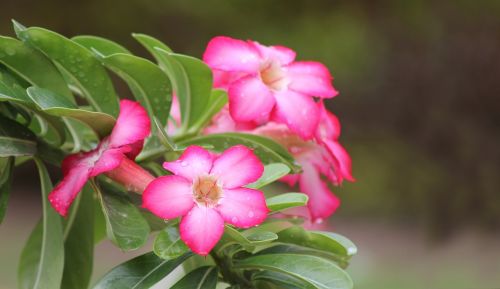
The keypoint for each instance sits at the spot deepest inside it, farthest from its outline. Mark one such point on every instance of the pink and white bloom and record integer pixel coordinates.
(114, 155)
(265, 82)
(207, 191)
(323, 156)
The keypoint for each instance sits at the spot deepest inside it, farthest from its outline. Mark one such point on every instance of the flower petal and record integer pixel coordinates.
(281, 54)
(344, 160)
(311, 78)
(329, 124)
(193, 162)
(66, 191)
(322, 203)
(243, 207)
(250, 99)
(131, 126)
(299, 112)
(168, 197)
(228, 54)
(222, 79)
(108, 160)
(237, 166)
(201, 229)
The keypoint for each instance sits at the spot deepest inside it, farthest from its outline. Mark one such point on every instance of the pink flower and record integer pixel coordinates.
(113, 155)
(266, 83)
(207, 191)
(323, 156)
(223, 122)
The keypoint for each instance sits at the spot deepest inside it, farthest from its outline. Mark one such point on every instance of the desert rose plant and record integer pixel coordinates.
(189, 163)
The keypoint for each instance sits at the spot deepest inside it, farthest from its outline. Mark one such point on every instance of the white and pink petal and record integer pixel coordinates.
(310, 78)
(228, 54)
(250, 99)
(195, 161)
(201, 229)
(237, 166)
(132, 125)
(243, 207)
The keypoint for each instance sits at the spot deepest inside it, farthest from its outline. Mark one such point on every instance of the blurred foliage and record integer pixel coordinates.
(419, 82)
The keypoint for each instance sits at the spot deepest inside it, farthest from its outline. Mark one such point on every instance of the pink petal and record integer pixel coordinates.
(66, 191)
(193, 162)
(329, 124)
(243, 207)
(168, 197)
(223, 79)
(290, 180)
(108, 160)
(299, 112)
(132, 125)
(201, 229)
(250, 99)
(281, 54)
(322, 203)
(228, 54)
(237, 166)
(310, 78)
(223, 122)
(344, 160)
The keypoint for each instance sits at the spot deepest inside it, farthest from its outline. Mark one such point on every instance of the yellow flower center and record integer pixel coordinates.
(206, 191)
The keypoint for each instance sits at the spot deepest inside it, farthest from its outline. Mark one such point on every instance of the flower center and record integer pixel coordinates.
(206, 191)
(273, 75)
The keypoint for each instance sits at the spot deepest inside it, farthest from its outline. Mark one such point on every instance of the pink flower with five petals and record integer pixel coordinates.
(114, 155)
(207, 191)
(264, 82)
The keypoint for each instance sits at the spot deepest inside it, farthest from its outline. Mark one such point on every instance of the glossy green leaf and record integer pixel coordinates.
(125, 225)
(218, 98)
(285, 201)
(248, 240)
(140, 273)
(168, 244)
(103, 45)
(32, 66)
(149, 84)
(6, 168)
(15, 139)
(283, 280)
(201, 278)
(150, 43)
(261, 237)
(266, 149)
(192, 82)
(52, 104)
(314, 271)
(272, 172)
(319, 240)
(79, 242)
(42, 258)
(11, 90)
(79, 63)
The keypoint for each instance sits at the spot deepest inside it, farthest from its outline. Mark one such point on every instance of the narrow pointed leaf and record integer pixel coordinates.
(285, 201)
(316, 272)
(140, 273)
(85, 71)
(103, 45)
(150, 43)
(201, 278)
(32, 66)
(79, 242)
(6, 168)
(52, 104)
(42, 258)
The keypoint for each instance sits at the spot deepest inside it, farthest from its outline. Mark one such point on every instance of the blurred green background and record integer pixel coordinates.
(419, 83)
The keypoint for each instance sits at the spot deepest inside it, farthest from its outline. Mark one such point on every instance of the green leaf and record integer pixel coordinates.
(32, 66)
(150, 43)
(42, 258)
(261, 237)
(125, 225)
(79, 63)
(272, 172)
(285, 201)
(149, 84)
(192, 82)
(201, 278)
(325, 241)
(103, 45)
(248, 240)
(283, 280)
(314, 271)
(52, 104)
(6, 168)
(168, 244)
(140, 273)
(266, 149)
(11, 90)
(15, 139)
(79, 242)
(218, 98)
